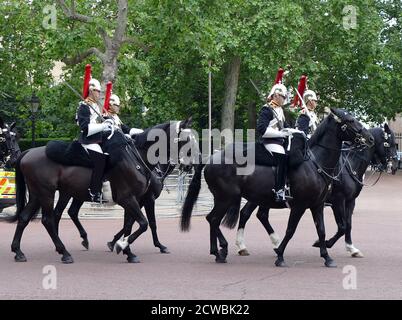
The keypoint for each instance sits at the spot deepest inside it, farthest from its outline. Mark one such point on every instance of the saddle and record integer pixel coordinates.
(296, 155)
(73, 154)
(68, 154)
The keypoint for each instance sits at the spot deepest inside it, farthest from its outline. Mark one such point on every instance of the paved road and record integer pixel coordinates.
(189, 272)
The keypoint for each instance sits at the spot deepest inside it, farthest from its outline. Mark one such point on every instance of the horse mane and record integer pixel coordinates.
(141, 138)
(319, 132)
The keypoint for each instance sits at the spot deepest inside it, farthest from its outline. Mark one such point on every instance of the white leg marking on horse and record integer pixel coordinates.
(240, 239)
(123, 242)
(275, 239)
(354, 252)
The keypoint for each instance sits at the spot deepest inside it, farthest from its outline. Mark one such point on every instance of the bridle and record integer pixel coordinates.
(359, 144)
(377, 166)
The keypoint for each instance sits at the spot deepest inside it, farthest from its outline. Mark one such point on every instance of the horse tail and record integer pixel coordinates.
(191, 198)
(232, 215)
(20, 190)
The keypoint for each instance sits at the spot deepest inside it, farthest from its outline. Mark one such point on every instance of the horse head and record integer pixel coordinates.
(10, 148)
(188, 146)
(385, 152)
(349, 129)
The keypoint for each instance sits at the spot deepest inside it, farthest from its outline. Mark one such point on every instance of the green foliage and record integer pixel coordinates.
(26, 144)
(359, 69)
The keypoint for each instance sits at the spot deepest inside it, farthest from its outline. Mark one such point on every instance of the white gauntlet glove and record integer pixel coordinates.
(135, 131)
(107, 124)
(286, 132)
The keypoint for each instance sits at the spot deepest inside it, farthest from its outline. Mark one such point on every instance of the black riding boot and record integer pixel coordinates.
(280, 177)
(95, 187)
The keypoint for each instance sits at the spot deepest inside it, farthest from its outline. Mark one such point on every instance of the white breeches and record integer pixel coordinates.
(93, 146)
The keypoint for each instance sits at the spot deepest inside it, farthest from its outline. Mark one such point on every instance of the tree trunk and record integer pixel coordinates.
(231, 85)
(252, 115)
(109, 72)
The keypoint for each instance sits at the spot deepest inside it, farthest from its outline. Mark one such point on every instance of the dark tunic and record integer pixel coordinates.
(303, 123)
(83, 118)
(117, 121)
(264, 119)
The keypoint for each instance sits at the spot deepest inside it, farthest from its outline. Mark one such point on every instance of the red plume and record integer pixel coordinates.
(108, 93)
(300, 89)
(87, 78)
(279, 76)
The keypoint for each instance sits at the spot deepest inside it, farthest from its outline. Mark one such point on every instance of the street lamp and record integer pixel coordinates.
(34, 109)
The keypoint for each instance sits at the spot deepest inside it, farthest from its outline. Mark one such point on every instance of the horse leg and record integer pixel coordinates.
(132, 207)
(350, 248)
(23, 220)
(263, 216)
(338, 208)
(318, 216)
(73, 213)
(245, 214)
(214, 218)
(131, 257)
(295, 215)
(149, 205)
(126, 231)
(58, 210)
(223, 252)
(49, 223)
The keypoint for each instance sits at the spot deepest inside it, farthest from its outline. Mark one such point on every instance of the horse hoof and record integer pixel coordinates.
(357, 254)
(243, 252)
(85, 244)
(110, 246)
(164, 250)
(118, 249)
(223, 253)
(220, 260)
(133, 260)
(20, 258)
(281, 263)
(67, 259)
(329, 263)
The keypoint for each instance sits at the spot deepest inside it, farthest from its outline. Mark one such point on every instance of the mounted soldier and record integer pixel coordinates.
(308, 120)
(271, 128)
(113, 111)
(89, 120)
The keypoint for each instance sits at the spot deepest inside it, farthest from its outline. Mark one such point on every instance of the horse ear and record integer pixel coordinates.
(1, 122)
(12, 126)
(387, 129)
(186, 123)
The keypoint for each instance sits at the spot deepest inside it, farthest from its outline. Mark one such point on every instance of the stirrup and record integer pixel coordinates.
(279, 195)
(97, 197)
(288, 196)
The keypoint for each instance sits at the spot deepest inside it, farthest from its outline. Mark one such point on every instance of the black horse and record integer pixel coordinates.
(9, 149)
(128, 173)
(309, 184)
(159, 174)
(345, 190)
(147, 201)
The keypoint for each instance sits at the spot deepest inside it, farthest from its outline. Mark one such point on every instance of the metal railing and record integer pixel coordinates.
(168, 204)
